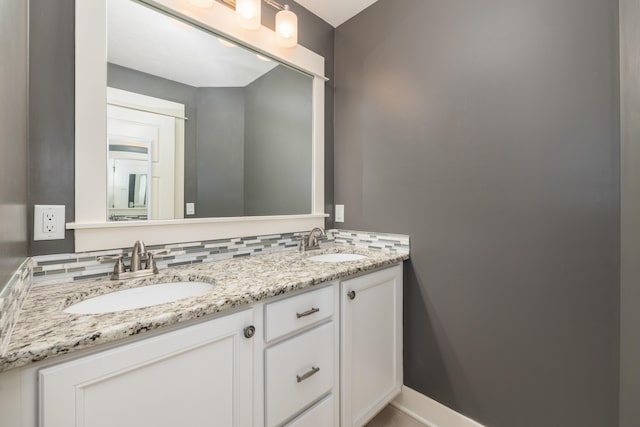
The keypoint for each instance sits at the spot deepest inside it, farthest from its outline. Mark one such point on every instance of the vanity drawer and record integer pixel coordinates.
(289, 315)
(298, 372)
(320, 415)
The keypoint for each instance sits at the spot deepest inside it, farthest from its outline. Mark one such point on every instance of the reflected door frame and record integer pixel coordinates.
(169, 117)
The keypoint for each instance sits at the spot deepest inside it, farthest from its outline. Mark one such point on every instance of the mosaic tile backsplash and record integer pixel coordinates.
(50, 269)
(11, 299)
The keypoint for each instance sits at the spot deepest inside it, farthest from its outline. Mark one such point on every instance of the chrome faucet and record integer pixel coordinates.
(311, 242)
(138, 254)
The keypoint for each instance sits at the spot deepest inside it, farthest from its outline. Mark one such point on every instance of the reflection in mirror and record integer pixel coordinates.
(228, 129)
(127, 181)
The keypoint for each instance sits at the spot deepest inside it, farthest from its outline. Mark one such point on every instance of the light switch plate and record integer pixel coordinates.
(339, 213)
(48, 222)
(191, 208)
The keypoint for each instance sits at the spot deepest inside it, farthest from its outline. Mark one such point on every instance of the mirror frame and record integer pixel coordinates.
(92, 231)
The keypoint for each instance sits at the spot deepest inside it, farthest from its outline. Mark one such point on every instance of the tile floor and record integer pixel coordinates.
(391, 417)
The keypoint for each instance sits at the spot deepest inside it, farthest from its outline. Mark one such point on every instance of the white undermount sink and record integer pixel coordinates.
(144, 296)
(340, 257)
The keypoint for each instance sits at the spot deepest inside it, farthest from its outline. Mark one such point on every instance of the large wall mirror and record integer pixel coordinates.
(245, 134)
(203, 130)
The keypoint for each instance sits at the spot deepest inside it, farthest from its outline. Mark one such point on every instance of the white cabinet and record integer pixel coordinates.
(330, 356)
(295, 313)
(201, 375)
(298, 373)
(302, 359)
(320, 415)
(371, 344)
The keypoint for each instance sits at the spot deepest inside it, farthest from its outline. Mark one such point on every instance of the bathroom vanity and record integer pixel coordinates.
(280, 338)
(319, 344)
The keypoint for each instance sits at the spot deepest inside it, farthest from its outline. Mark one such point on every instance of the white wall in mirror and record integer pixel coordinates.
(92, 231)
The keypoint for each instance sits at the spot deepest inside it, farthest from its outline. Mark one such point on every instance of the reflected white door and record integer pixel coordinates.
(125, 123)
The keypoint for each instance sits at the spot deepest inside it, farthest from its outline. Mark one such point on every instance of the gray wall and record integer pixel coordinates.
(52, 69)
(630, 291)
(13, 140)
(221, 145)
(278, 144)
(51, 115)
(488, 131)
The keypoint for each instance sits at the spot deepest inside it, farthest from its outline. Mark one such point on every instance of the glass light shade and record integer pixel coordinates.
(248, 13)
(287, 28)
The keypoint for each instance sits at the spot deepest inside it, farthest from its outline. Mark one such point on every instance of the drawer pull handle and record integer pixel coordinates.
(312, 372)
(351, 295)
(307, 313)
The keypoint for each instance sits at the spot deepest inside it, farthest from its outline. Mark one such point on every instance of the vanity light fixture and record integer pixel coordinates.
(287, 27)
(248, 13)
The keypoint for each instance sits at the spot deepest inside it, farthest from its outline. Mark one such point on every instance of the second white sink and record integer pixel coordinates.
(144, 296)
(336, 257)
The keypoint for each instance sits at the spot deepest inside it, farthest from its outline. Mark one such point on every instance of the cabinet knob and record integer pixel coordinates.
(249, 331)
(351, 294)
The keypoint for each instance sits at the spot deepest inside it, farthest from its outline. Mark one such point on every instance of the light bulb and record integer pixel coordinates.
(287, 27)
(248, 13)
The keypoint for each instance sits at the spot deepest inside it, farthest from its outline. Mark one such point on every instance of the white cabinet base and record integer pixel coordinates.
(371, 344)
(201, 375)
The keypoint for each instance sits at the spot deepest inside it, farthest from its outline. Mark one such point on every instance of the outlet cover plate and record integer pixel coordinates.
(48, 222)
(339, 213)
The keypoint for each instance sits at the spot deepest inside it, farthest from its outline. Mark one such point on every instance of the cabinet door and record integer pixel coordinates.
(371, 347)
(201, 375)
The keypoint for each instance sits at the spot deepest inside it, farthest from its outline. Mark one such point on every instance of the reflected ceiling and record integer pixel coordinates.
(173, 50)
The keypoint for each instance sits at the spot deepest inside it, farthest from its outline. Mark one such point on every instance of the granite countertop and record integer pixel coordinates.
(43, 330)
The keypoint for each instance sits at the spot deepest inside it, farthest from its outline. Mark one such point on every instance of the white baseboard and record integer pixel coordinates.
(430, 412)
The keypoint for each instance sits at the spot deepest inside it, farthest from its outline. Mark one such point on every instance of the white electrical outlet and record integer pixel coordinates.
(339, 213)
(191, 208)
(48, 222)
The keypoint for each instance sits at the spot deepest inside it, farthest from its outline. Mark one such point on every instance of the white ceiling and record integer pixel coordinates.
(151, 42)
(336, 12)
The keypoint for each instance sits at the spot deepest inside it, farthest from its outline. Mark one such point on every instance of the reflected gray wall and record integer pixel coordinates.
(278, 144)
(13, 141)
(276, 178)
(220, 152)
(630, 291)
(318, 36)
(51, 115)
(489, 132)
(51, 34)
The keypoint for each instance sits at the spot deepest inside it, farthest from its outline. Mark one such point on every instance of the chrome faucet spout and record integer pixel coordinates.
(138, 253)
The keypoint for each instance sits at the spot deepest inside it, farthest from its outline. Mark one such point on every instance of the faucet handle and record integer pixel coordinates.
(304, 242)
(159, 252)
(151, 262)
(119, 266)
(110, 257)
